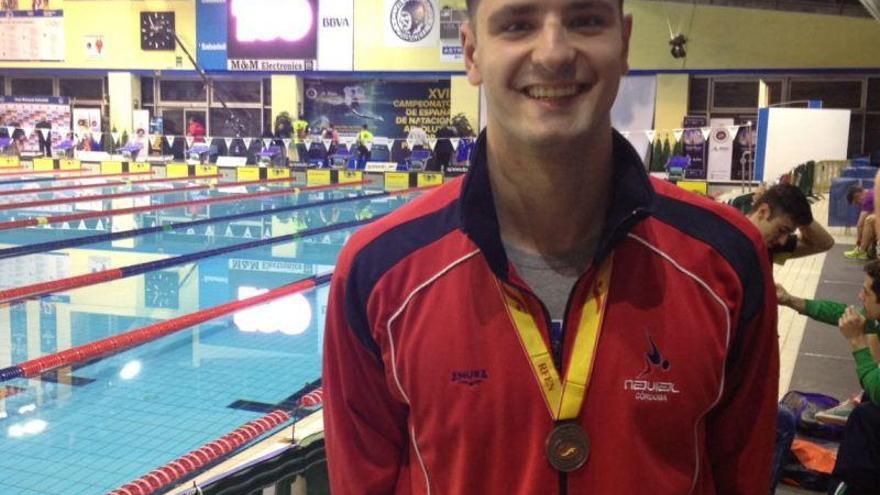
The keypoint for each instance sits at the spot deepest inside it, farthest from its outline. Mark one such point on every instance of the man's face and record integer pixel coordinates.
(550, 68)
(868, 298)
(774, 229)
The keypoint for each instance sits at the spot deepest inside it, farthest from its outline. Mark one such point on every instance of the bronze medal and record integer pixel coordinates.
(567, 447)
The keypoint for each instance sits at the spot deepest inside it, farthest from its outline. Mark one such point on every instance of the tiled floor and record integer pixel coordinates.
(801, 277)
(812, 356)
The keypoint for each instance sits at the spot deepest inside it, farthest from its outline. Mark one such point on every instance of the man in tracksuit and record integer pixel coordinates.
(784, 217)
(554, 321)
(858, 459)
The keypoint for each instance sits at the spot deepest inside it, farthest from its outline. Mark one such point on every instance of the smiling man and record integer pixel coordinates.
(554, 321)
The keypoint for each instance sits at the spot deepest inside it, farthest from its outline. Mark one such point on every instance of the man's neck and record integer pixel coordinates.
(551, 201)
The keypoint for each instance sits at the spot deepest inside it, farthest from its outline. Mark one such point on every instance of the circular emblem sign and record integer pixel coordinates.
(412, 20)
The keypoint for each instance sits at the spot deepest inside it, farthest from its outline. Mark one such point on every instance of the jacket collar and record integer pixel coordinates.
(631, 200)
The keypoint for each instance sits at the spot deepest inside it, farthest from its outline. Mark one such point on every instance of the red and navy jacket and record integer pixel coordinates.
(428, 390)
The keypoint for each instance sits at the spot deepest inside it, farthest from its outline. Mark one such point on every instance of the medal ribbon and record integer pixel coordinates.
(564, 399)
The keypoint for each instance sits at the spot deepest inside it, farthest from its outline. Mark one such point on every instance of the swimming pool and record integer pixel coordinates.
(91, 427)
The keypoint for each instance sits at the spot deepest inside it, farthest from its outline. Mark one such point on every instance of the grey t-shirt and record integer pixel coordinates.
(551, 278)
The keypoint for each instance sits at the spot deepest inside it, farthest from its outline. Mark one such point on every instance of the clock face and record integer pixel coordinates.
(157, 30)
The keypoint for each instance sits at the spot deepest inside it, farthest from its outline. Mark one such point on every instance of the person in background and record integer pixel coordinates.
(785, 219)
(418, 139)
(783, 216)
(300, 129)
(865, 227)
(19, 140)
(443, 150)
(140, 138)
(300, 133)
(196, 130)
(44, 133)
(364, 143)
(333, 135)
(83, 135)
(555, 320)
(858, 458)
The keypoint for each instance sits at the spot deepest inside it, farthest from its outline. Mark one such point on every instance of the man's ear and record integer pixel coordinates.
(627, 34)
(469, 47)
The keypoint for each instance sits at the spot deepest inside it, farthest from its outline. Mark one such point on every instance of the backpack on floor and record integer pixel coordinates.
(805, 405)
(809, 464)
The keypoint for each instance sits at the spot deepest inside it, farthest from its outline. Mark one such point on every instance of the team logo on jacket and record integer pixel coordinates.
(646, 386)
(412, 20)
(469, 377)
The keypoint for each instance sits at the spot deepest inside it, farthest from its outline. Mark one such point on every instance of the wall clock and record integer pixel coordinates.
(157, 31)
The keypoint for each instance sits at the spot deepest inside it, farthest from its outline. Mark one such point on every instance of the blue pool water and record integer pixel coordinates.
(90, 428)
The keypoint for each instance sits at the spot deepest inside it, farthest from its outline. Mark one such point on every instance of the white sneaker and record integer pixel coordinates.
(838, 414)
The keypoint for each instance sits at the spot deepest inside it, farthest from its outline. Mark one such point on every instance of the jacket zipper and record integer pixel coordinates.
(563, 476)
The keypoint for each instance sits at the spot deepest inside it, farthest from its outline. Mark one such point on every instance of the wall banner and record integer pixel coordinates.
(388, 108)
(26, 112)
(720, 150)
(694, 146)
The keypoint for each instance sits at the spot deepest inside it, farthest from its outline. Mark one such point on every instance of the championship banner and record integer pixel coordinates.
(411, 23)
(694, 146)
(29, 112)
(720, 150)
(744, 153)
(453, 13)
(31, 34)
(275, 35)
(388, 108)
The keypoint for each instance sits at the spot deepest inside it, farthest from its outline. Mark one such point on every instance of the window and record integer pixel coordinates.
(267, 120)
(775, 88)
(267, 91)
(147, 90)
(855, 135)
(735, 94)
(874, 94)
(698, 95)
(834, 94)
(872, 133)
(32, 87)
(236, 91)
(224, 123)
(81, 89)
(182, 91)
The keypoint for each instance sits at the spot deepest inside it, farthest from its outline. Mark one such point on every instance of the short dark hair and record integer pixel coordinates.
(786, 199)
(872, 269)
(851, 193)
